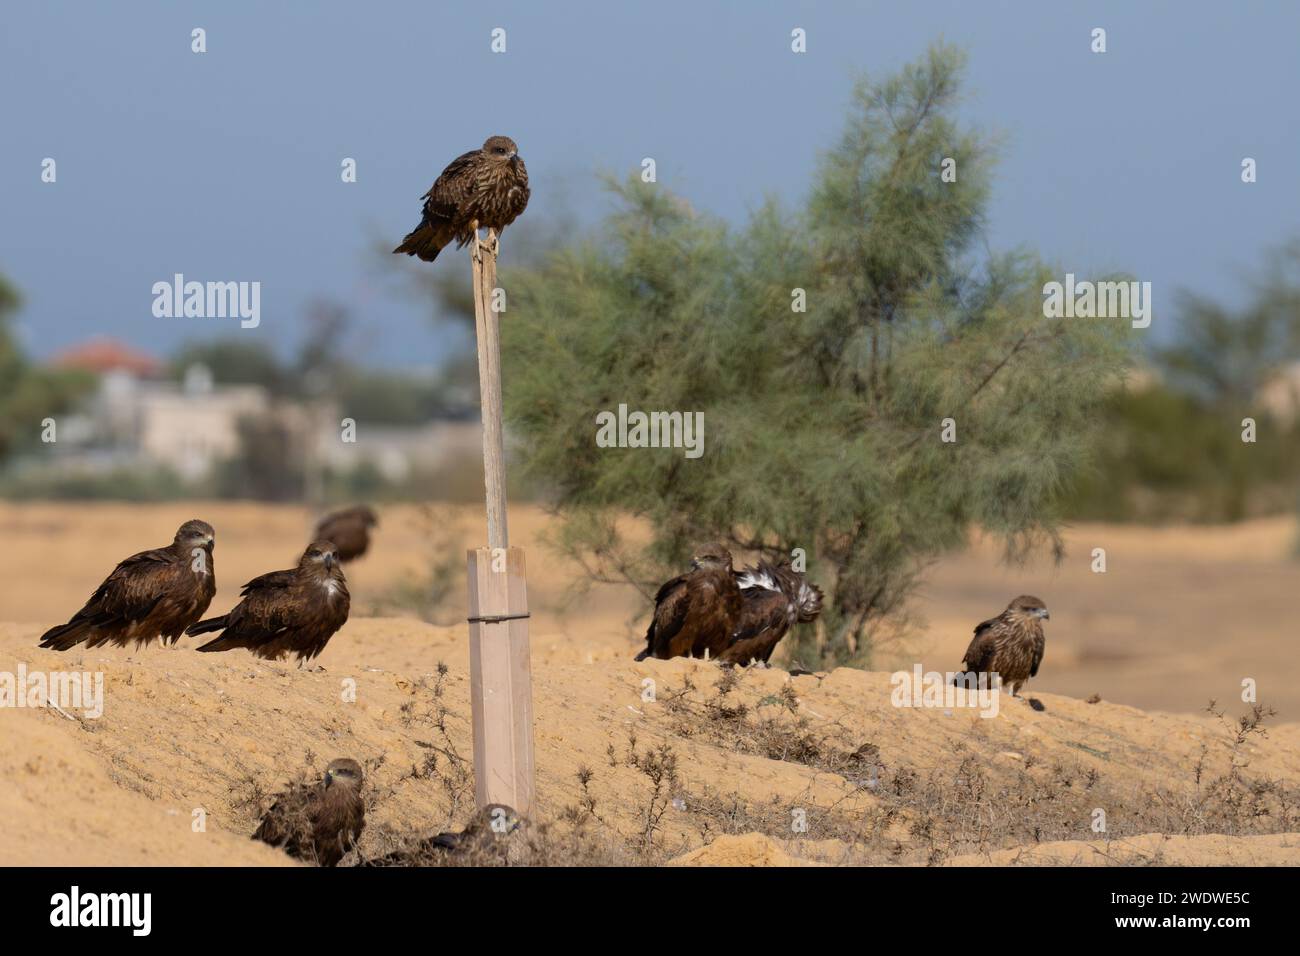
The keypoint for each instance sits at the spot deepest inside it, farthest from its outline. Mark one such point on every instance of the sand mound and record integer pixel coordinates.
(65, 806)
(748, 849)
(1150, 849)
(670, 760)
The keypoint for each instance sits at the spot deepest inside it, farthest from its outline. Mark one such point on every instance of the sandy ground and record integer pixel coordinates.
(1181, 616)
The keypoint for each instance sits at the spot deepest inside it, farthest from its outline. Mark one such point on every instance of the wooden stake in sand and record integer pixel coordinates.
(501, 695)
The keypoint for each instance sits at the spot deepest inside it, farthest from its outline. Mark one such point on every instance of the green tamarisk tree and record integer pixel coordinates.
(873, 383)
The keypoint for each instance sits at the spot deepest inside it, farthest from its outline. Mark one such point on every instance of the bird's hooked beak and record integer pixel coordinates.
(329, 777)
(1043, 613)
(330, 559)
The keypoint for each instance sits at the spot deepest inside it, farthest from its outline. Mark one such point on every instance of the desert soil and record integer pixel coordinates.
(1181, 616)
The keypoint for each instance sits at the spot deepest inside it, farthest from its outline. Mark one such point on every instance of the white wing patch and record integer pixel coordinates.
(754, 578)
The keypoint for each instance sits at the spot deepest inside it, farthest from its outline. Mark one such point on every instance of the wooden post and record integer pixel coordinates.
(488, 330)
(501, 696)
(501, 693)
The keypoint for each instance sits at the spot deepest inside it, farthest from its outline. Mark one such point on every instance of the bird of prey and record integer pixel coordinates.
(295, 611)
(483, 189)
(156, 593)
(696, 612)
(776, 597)
(349, 530)
(481, 839)
(321, 822)
(1010, 645)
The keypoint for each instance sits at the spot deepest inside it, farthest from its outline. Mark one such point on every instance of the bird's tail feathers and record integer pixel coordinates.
(204, 627)
(66, 636)
(423, 242)
(223, 643)
(649, 642)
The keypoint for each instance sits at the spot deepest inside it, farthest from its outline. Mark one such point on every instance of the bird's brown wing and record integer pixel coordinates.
(446, 198)
(135, 586)
(521, 191)
(983, 649)
(428, 851)
(271, 581)
(672, 605)
(289, 823)
(450, 209)
(1039, 647)
(764, 620)
(126, 597)
(267, 611)
(763, 610)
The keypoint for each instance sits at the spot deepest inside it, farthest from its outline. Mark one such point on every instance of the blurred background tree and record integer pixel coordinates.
(1224, 357)
(234, 361)
(321, 367)
(29, 393)
(1171, 443)
(823, 427)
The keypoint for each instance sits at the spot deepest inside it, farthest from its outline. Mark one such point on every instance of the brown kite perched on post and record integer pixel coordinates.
(696, 613)
(156, 593)
(320, 823)
(348, 530)
(1010, 645)
(776, 597)
(485, 188)
(286, 612)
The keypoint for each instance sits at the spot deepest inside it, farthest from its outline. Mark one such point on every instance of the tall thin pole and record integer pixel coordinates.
(501, 695)
(488, 327)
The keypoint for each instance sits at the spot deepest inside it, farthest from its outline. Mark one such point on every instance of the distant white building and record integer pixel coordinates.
(137, 417)
(187, 427)
(193, 426)
(399, 452)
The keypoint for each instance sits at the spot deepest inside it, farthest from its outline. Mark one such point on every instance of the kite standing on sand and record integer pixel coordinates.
(156, 593)
(696, 612)
(348, 530)
(776, 597)
(1010, 645)
(286, 612)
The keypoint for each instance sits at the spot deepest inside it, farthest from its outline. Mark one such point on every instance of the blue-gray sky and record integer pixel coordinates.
(225, 165)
